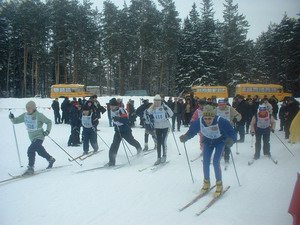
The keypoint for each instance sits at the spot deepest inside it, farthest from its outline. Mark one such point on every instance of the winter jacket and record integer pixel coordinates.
(120, 120)
(226, 130)
(34, 124)
(161, 115)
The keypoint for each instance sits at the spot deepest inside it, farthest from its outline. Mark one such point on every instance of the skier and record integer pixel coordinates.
(89, 121)
(230, 114)
(149, 129)
(122, 130)
(215, 130)
(261, 125)
(34, 121)
(160, 112)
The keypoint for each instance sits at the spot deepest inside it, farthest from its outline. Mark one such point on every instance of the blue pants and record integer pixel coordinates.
(207, 153)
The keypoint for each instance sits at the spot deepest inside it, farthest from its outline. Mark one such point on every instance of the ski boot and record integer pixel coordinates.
(51, 162)
(163, 159)
(146, 147)
(158, 161)
(219, 189)
(29, 171)
(206, 186)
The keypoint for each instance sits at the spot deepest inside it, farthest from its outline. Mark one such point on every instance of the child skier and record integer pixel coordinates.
(34, 121)
(89, 121)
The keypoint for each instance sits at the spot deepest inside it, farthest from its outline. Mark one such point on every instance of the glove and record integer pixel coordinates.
(11, 116)
(46, 133)
(252, 133)
(229, 142)
(116, 118)
(234, 120)
(183, 138)
(272, 130)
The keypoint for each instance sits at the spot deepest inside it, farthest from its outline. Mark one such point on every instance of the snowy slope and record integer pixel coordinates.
(128, 197)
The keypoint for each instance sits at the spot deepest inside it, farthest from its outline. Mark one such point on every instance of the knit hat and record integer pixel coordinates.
(208, 111)
(31, 105)
(113, 102)
(157, 98)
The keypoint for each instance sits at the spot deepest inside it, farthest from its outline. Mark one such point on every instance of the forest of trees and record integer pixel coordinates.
(139, 47)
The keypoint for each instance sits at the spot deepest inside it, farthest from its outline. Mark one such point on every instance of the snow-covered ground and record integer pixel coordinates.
(126, 196)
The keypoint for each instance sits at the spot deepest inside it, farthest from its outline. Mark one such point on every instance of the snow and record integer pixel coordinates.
(126, 196)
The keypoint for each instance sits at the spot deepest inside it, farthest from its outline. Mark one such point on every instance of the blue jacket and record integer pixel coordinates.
(227, 131)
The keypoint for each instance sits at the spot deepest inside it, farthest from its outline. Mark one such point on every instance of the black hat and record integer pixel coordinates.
(113, 102)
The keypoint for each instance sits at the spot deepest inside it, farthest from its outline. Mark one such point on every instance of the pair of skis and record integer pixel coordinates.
(85, 156)
(209, 204)
(154, 168)
(102, 167)
(19, 177)
(270, 157)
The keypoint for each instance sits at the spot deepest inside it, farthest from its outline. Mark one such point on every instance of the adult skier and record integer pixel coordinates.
(215, 130)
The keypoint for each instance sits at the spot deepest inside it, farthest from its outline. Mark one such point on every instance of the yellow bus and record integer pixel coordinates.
(261, 90)
(69, 90)
(210, 91)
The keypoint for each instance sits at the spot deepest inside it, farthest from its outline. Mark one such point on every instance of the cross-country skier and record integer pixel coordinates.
(34, 121)
(161, 112)
(122, 130)
(261, 125)
(215, 130)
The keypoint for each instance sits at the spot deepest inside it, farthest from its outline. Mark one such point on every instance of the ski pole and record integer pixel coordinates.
(284, 145)
(102, 139)
(187, 158)
(237, 177)
(73, 159)
(17, 146)
(237, 149)
(123, 145)
(174, 138)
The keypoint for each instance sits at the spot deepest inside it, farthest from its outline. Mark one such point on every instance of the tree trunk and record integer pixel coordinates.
(24, 94)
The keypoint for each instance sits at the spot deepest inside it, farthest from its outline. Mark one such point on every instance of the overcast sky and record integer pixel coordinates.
(259, 13)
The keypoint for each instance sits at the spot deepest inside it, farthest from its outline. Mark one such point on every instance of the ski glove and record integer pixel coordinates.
(272, 130)
(229, 142)
(46, 133)
(11, 116)
(234, 120)
(183, 138)
(116, 118)
(252, 133)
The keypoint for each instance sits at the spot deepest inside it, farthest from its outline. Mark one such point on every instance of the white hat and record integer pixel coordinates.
(157, 98)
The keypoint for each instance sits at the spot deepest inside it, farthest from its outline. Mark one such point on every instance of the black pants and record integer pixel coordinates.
(265, 135)
(74, 137)
(116, 144)
(36, 146)
(176, 117)
(90, 136)
(56, 116)
(161, 135)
